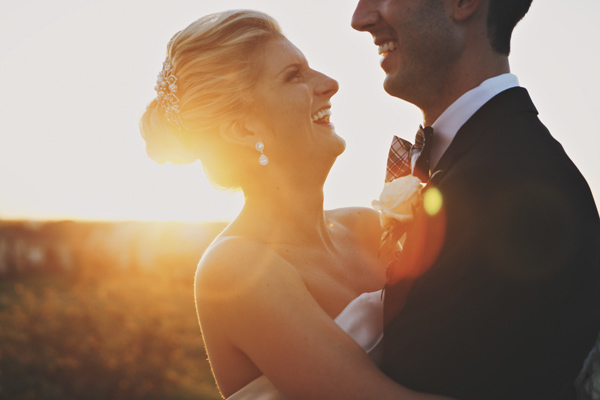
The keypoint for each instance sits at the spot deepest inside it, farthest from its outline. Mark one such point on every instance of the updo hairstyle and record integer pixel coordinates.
(216, 61)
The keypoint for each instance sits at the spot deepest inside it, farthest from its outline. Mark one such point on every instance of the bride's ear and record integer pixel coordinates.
(241, 132)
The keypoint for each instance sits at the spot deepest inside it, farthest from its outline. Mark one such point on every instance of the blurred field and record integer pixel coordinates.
(100, 328)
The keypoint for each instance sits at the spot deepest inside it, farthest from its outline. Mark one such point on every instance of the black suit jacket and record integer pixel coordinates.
(509, 305)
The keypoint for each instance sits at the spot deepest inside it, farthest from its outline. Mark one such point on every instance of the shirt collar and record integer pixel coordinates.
(459, 112)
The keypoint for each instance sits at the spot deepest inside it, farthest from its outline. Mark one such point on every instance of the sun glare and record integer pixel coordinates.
(70, 146)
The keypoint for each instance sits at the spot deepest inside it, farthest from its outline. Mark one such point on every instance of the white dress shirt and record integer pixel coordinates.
(459, 112)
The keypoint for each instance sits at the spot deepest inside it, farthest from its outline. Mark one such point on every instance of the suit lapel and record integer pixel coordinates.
(509, 102)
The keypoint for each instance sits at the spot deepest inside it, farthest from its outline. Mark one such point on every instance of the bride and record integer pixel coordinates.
(288, 296)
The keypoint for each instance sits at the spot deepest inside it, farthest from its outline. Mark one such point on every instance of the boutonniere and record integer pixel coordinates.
(398, 203)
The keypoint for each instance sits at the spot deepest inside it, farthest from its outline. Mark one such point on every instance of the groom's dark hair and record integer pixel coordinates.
(503, 16)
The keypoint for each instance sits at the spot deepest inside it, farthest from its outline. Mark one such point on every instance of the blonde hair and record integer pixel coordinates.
(216, 60)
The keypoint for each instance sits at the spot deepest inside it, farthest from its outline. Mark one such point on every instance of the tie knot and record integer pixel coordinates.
(423, 137)
(420, 157)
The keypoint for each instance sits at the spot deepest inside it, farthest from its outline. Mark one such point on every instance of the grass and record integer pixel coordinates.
(110, 336)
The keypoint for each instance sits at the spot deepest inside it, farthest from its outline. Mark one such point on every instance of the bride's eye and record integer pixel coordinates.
(294, 76)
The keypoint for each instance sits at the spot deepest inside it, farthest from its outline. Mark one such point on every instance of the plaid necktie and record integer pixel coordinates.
(405, 158)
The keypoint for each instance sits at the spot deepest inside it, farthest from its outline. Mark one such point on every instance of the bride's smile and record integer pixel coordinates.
(293, 107)
(322, 117)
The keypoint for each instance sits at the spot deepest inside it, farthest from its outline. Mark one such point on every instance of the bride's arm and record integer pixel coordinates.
(272, 318)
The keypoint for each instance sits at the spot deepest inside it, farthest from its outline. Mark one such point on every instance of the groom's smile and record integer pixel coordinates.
(417, 40)
(387, 47)
(384, 48)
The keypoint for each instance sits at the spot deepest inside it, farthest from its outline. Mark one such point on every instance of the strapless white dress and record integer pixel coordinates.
(362, 320)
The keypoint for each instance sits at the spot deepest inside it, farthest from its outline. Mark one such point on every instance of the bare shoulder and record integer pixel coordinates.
(363, 221)
(355, 216)
(233, 267)
(245, 289)
(239, 277)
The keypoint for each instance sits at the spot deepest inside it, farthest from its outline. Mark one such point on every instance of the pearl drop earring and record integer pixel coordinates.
(262, 160)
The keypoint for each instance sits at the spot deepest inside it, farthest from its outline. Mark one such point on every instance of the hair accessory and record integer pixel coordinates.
(166, 89)
(262, 160)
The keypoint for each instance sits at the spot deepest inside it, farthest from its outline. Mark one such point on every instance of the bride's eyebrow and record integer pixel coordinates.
(290, 68)
(293, 68)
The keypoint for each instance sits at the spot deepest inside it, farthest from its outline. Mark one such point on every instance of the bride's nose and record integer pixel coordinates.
(326, 86)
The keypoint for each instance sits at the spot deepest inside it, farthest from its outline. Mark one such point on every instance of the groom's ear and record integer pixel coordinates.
(462, 10)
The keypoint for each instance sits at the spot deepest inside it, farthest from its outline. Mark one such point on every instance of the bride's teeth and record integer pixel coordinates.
(321, 114)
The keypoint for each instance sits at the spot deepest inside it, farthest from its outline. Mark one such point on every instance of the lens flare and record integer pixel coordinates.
(432, 201)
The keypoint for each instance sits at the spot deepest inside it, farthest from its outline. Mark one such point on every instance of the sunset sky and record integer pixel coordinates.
(77, 74)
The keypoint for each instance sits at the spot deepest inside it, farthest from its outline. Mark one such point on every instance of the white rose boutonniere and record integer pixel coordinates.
(398, 203)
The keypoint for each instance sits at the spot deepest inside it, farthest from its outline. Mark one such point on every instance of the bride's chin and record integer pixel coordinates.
(341, 146)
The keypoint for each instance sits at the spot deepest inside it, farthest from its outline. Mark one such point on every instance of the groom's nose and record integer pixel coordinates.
(365, 15)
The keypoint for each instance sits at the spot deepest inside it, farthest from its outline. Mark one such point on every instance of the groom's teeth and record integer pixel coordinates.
(387, 48)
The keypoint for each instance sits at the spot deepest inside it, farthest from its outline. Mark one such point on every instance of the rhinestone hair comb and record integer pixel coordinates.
(166, 89)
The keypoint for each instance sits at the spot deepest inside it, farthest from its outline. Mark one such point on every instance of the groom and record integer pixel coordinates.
(507, 302)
